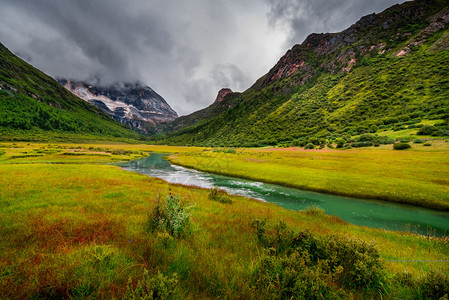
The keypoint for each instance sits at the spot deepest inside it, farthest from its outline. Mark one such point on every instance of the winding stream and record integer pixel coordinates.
(371, 213)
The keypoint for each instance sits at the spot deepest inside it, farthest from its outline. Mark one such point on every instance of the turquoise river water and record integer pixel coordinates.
(371, 213)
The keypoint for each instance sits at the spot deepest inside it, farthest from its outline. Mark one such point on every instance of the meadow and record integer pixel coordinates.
(75, 226)
(417, 176)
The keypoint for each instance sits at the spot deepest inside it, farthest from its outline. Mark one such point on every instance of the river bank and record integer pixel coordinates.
(364, 212)
(417, 177)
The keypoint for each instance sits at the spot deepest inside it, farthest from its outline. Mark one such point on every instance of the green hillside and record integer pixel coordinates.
(33, 106)
(388, 72)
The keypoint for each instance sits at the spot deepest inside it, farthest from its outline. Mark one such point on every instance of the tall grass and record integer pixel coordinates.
(79, 229)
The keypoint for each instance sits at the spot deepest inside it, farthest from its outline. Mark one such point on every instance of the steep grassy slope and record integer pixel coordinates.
(388, 71)
(33, 104)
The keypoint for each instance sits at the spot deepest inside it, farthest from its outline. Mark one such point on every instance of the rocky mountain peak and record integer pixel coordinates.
(222, 93)
(132, 103)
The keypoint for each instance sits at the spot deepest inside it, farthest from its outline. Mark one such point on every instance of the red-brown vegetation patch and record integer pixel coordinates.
(65, 234)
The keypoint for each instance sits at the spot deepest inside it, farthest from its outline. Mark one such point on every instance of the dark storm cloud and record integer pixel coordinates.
(186, 50)
(104, 35)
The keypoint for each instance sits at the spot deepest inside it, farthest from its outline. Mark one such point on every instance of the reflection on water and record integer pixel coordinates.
(370, 213)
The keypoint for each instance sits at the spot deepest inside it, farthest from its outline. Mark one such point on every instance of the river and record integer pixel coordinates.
(371, 213)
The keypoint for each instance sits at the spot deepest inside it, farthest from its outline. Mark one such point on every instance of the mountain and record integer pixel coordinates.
(33, 106)
(387, 71)
(133, 104)
(219, 105)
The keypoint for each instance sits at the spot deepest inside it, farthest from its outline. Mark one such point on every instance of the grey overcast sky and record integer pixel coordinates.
(186, 50)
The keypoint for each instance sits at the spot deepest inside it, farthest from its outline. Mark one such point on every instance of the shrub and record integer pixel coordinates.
(434, 286)
(314, 140)
(309, 146)
(314, 210)
(171, 216)
(399, 127)
(158, 287)
(340, 142)
(427, 130)
(427, 144)
(401, 146)
(373, 128)
(413, 126)
(219, 195)
(304, 265)
(366, 138)
(300, 142)
(2, 152)
(418, 141)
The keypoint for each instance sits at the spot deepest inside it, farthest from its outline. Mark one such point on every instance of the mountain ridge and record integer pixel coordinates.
(310, 92)
(32, 105)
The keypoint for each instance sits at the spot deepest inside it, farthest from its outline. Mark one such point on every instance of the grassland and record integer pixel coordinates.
(73, 226)
(418, 176)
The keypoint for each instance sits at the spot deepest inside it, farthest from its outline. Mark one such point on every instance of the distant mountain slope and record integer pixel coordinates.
(32, 102)
(133, 104)
(387, 70)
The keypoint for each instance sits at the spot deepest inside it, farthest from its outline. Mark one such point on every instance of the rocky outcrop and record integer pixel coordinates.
(222, 93)
(372, 34)
(437, 22)
(133, 104)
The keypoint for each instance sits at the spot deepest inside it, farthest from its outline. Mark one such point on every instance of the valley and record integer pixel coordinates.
(326, 178)
(85, 235)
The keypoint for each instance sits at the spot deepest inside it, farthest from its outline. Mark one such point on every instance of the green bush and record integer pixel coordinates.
(401, 146)
(171, 216)
(427, 144)
(418, 141)
(305, 265)
(219, 195)
(427, 130)
(434, 286)
(314, 210)
(158, 287)
(340, 142)
(366, 138)
(2, 152)
(299, 142)
(309, 146)
(229, 150)
(316, 141)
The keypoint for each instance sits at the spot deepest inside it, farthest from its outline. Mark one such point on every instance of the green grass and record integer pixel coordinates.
(35, 107)
(78, 229)
(416, 176)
